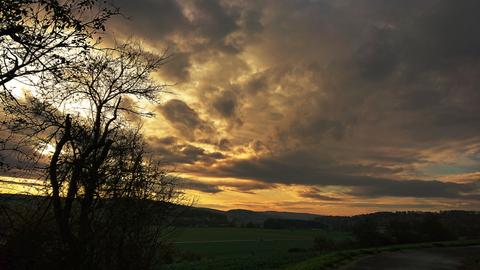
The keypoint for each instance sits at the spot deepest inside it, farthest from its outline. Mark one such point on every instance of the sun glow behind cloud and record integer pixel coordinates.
(333, 107)
(313, 102)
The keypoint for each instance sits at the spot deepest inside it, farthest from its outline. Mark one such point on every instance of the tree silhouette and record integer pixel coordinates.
(94, 158)
(107, 197)
(45, 36)
(39, 36)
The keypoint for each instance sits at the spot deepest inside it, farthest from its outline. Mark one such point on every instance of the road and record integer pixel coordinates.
(422, 259)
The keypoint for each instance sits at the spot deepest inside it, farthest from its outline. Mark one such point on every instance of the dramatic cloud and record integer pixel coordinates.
(374, 101)
(171, 151)
(184, 119)
(199, 186)
(376, 98)
(315, 193)
(329, 173)
(248, 187)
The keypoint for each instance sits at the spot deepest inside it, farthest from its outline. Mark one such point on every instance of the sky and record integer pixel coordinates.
(330, 107)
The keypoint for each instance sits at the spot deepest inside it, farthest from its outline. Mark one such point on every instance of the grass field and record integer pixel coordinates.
(206, 234)
(216, 242)
(246, 248)
(249, 249)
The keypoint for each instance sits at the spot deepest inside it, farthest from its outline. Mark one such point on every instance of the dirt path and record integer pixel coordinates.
(422, 259)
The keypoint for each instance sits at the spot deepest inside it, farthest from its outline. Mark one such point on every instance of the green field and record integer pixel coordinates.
(245, 248)
(249, 249)
(237, 241)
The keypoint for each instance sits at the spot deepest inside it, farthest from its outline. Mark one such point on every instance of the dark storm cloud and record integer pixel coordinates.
(399, 49)
(224, 144)
(377, 59)
(419, 188)
(152, 20)
(199, 186)
(171, 151)
(352, 93)
(168, 140)
(219, 186)
(226, 104)
(246, 186)
(178, 112)
(317, 126)
(429, 51)
(177, 69)
(374, 205)
(214, 20)
(396, 61)
(184, 118)
(442, 34)
(382, 156)
(421, 64)
(206, 24)
(301, 168)
(315, 193)
(258, 83)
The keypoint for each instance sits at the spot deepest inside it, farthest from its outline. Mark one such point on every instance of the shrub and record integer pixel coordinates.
(323, 243)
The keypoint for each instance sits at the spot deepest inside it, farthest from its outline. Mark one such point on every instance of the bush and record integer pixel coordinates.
(323, 243)
(433, 229)
(368, 233)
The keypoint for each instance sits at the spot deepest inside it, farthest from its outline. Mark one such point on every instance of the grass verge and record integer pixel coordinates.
(338, 258)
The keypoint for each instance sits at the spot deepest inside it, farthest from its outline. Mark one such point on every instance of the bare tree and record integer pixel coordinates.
(39, 36)
(73, 130)
(97, 163)
(45, 36)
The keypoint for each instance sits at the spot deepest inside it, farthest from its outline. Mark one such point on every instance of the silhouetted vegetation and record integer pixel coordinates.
(134, 229)
(46, 36)
(387, 228)
(198, 217)
(323, 243)
(74, 131)
(209, 238)
(370, 229)
(273, 223)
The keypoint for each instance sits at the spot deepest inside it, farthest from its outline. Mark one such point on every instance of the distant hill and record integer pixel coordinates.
(245, 216)
(465, 223)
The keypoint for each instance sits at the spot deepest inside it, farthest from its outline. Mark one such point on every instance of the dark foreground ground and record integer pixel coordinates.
(465, 258)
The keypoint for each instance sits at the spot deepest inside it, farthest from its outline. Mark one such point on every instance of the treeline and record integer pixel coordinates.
(197, 217)
(414, 227)
(398, 227)
(387, 228)
(276, 223)
(379, 228)
(404, 225)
